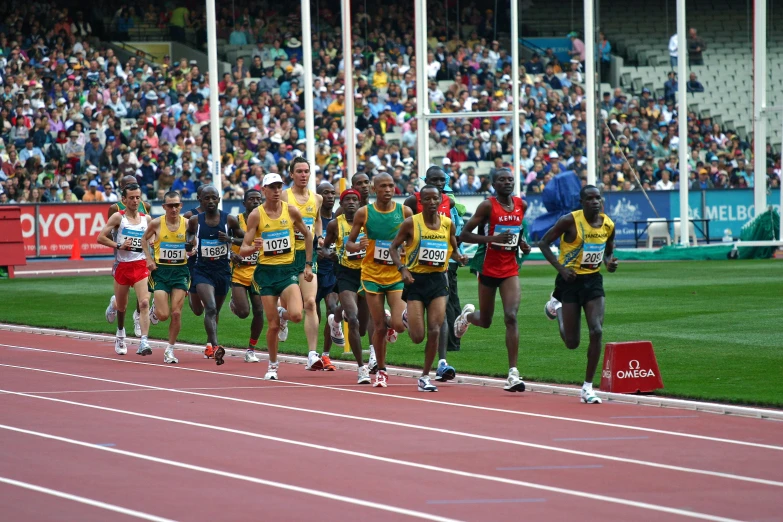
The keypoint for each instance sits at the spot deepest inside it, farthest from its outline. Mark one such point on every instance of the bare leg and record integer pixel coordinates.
(436, 314)
(206, 294)
(375, 303)
(569, 319)
(483, 316)
(143, 297)
(257, 324)
(510, 297)
(239, 301)
(177, 302)
(594, 311)
(120, 303)
(350, 308)
(309, 290)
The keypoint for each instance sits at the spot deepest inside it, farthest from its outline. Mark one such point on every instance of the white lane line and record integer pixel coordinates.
(363, 455)
(237, 476)
(84, 500)
(670, 467)
(418, 399)
(202, 388)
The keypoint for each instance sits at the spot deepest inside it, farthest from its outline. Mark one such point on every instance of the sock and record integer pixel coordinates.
(170, 347)
(587, 386)
(144, 338)
(512, 369)
(252, 344)
(273, 365)
(372, 351)
(312, 352)
(326, 353)
(120, 332)
(442, 362)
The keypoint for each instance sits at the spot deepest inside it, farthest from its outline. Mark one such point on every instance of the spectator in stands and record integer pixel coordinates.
(577, 51)
(673, 44)
(534, 66)
(605, 57)
(696, 47)
(694, 85)
(670, 88)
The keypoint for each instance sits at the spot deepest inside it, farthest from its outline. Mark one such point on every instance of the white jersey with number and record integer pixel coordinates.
(134, 232)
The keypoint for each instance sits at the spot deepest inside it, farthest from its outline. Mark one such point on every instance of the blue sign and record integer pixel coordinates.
(560, 46)
(726, 209)
(626, 207)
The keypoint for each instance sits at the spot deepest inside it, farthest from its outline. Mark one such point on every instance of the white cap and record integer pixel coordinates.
(553, 155)
(446, 161)
(272, 178)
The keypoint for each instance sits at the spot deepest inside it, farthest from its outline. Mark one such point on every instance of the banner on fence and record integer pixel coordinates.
(626, 207)
(59, 225)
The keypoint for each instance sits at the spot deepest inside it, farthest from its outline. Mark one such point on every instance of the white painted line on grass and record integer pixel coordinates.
(84, 500)
(237, 476)
(387, 460)
(488, 438)
(416, 399)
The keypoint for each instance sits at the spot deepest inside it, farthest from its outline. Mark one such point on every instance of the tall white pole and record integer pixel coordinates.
(515, 96)
(422, 90)
(780, 208)
(682, 121)
(759, 105)
(214, 109)
(592, 161)
(307, 63)
(350, 115)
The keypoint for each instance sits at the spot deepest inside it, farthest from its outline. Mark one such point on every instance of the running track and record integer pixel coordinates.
(89, 435)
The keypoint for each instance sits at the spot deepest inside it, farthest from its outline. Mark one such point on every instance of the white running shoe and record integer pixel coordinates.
(168, 356)
(391, 333)
(425, 385)
(461, 324)
(551, 307)
(405, 318)
(381, 379)
(144, 348)
(364, 375)
(137, 323)
(589, 397)
(282, 335)
(314, 362)
(271, 373)
(372, 364)
(514, 383)
(153, 318)
(111, 311)
(251, 357)
(119, 346)
(336, 329)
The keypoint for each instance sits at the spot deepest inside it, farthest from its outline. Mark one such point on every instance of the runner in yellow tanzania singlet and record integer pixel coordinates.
(275, 269)
(430, 250)
(586, 252)
(309, 212)
(352, 260)
(242, 271)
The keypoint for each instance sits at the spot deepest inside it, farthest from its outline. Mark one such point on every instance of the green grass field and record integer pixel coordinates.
(713, 324)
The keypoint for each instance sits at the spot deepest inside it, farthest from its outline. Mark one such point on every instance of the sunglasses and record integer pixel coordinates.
(172, 205)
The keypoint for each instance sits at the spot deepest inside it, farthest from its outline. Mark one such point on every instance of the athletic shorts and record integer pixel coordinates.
(581, 291)
(220, 281)
(300, 257)
(243, 275)
(272, 280)
(492, 282)
(167, 278)
(427, 287)
(371, 287)
(349, 279)
(130, 272)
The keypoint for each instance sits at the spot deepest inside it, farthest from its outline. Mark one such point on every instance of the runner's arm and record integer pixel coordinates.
(237, 232)
(563, 225)
(318, 225)
(190, 233)
(456, 255)
(331, 236)
(146, 241)
(300, 227)
(358, 222)
(403, 235)
(249, 242)
(481, 215)
(113, 209)
(105, 239)
(609, 259)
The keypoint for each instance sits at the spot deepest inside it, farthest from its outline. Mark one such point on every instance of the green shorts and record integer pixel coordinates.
(299, 262)
(371, 287)
(167, 278)
(273, 279)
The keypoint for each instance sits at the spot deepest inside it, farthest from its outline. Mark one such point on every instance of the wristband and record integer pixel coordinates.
(309, 263)
(119, 246)
(399, 268)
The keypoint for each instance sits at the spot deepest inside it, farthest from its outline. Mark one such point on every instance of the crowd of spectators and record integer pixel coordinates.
(75, 118)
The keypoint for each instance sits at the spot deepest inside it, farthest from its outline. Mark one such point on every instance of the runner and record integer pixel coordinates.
(210, 233)
(586, 240)
(169, 276)
(437, 178)
(144, 209)
(270, 232)
(380, 279)
(430, 240)
(196, 306)
(309, 207)
(327, 281)
(124, 231)
(243, 298)
(497, 264)
(361, 183)
(348, 272)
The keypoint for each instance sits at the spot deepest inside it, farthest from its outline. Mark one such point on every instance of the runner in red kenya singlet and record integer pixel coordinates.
(497, 263)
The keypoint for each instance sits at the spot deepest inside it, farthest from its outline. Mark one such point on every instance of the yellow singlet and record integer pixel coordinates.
(242, 272)
(586, 252)
(352, 260)
(309, 212)
(278, 237)
(430, 250)
(169, 247)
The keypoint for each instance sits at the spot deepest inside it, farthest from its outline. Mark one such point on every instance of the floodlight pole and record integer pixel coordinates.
(214, 107)
(759, 105)
(592, 161)
(515, 97)
(349, 166)
(682, 121)
(422, 93)
(307, 64)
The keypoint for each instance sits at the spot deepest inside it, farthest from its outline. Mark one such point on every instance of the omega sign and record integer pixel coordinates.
(634, 372)
(630, 367)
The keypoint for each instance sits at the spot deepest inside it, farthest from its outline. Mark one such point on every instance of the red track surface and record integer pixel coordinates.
(465, 453)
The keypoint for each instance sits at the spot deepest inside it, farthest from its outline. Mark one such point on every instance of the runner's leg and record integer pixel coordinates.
(257, 324)
(273, 325)
(143, 297)
(453, 309)
(375, 304)
(308, 292)
(510, 296)
(569, 319)
(396, 307)
(206, 294)
(332, 302)
(483, 316)
(239, 301)
(352, 317)
(162, 310)
(120, 303)
(416, 321)
(177, 302)
(195, 302)
(594, 312)
(436, 314)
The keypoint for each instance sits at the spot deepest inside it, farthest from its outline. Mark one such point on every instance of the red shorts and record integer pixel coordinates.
(130, 273)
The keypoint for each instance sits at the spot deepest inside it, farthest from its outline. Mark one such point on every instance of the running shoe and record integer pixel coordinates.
(251, 357)
(144, 348)
(111, 311)
(551, 307)
(381, 379)
(153, 318)
(445, 372)
(220, 352)
(282, 335)
(209, 352)
(589, 397)
(391, 333)
(327, 362)
(137, 323)
(405, 318)
(364, 375)
(336, 328)
(314, 362)
(514, 383)
(425, 385)
(271, 373)
(119, 346)
(168, 356)
(461, 323)
(372, 365)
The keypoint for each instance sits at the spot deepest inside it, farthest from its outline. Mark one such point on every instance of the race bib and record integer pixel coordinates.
(433, 253)
(276, 242)
(308, 221)
(135, 237)
(250, 260)
(381, 255)
(171, 253)
(355, 256)
(213, 248)
(592, 255)
(513, 243)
